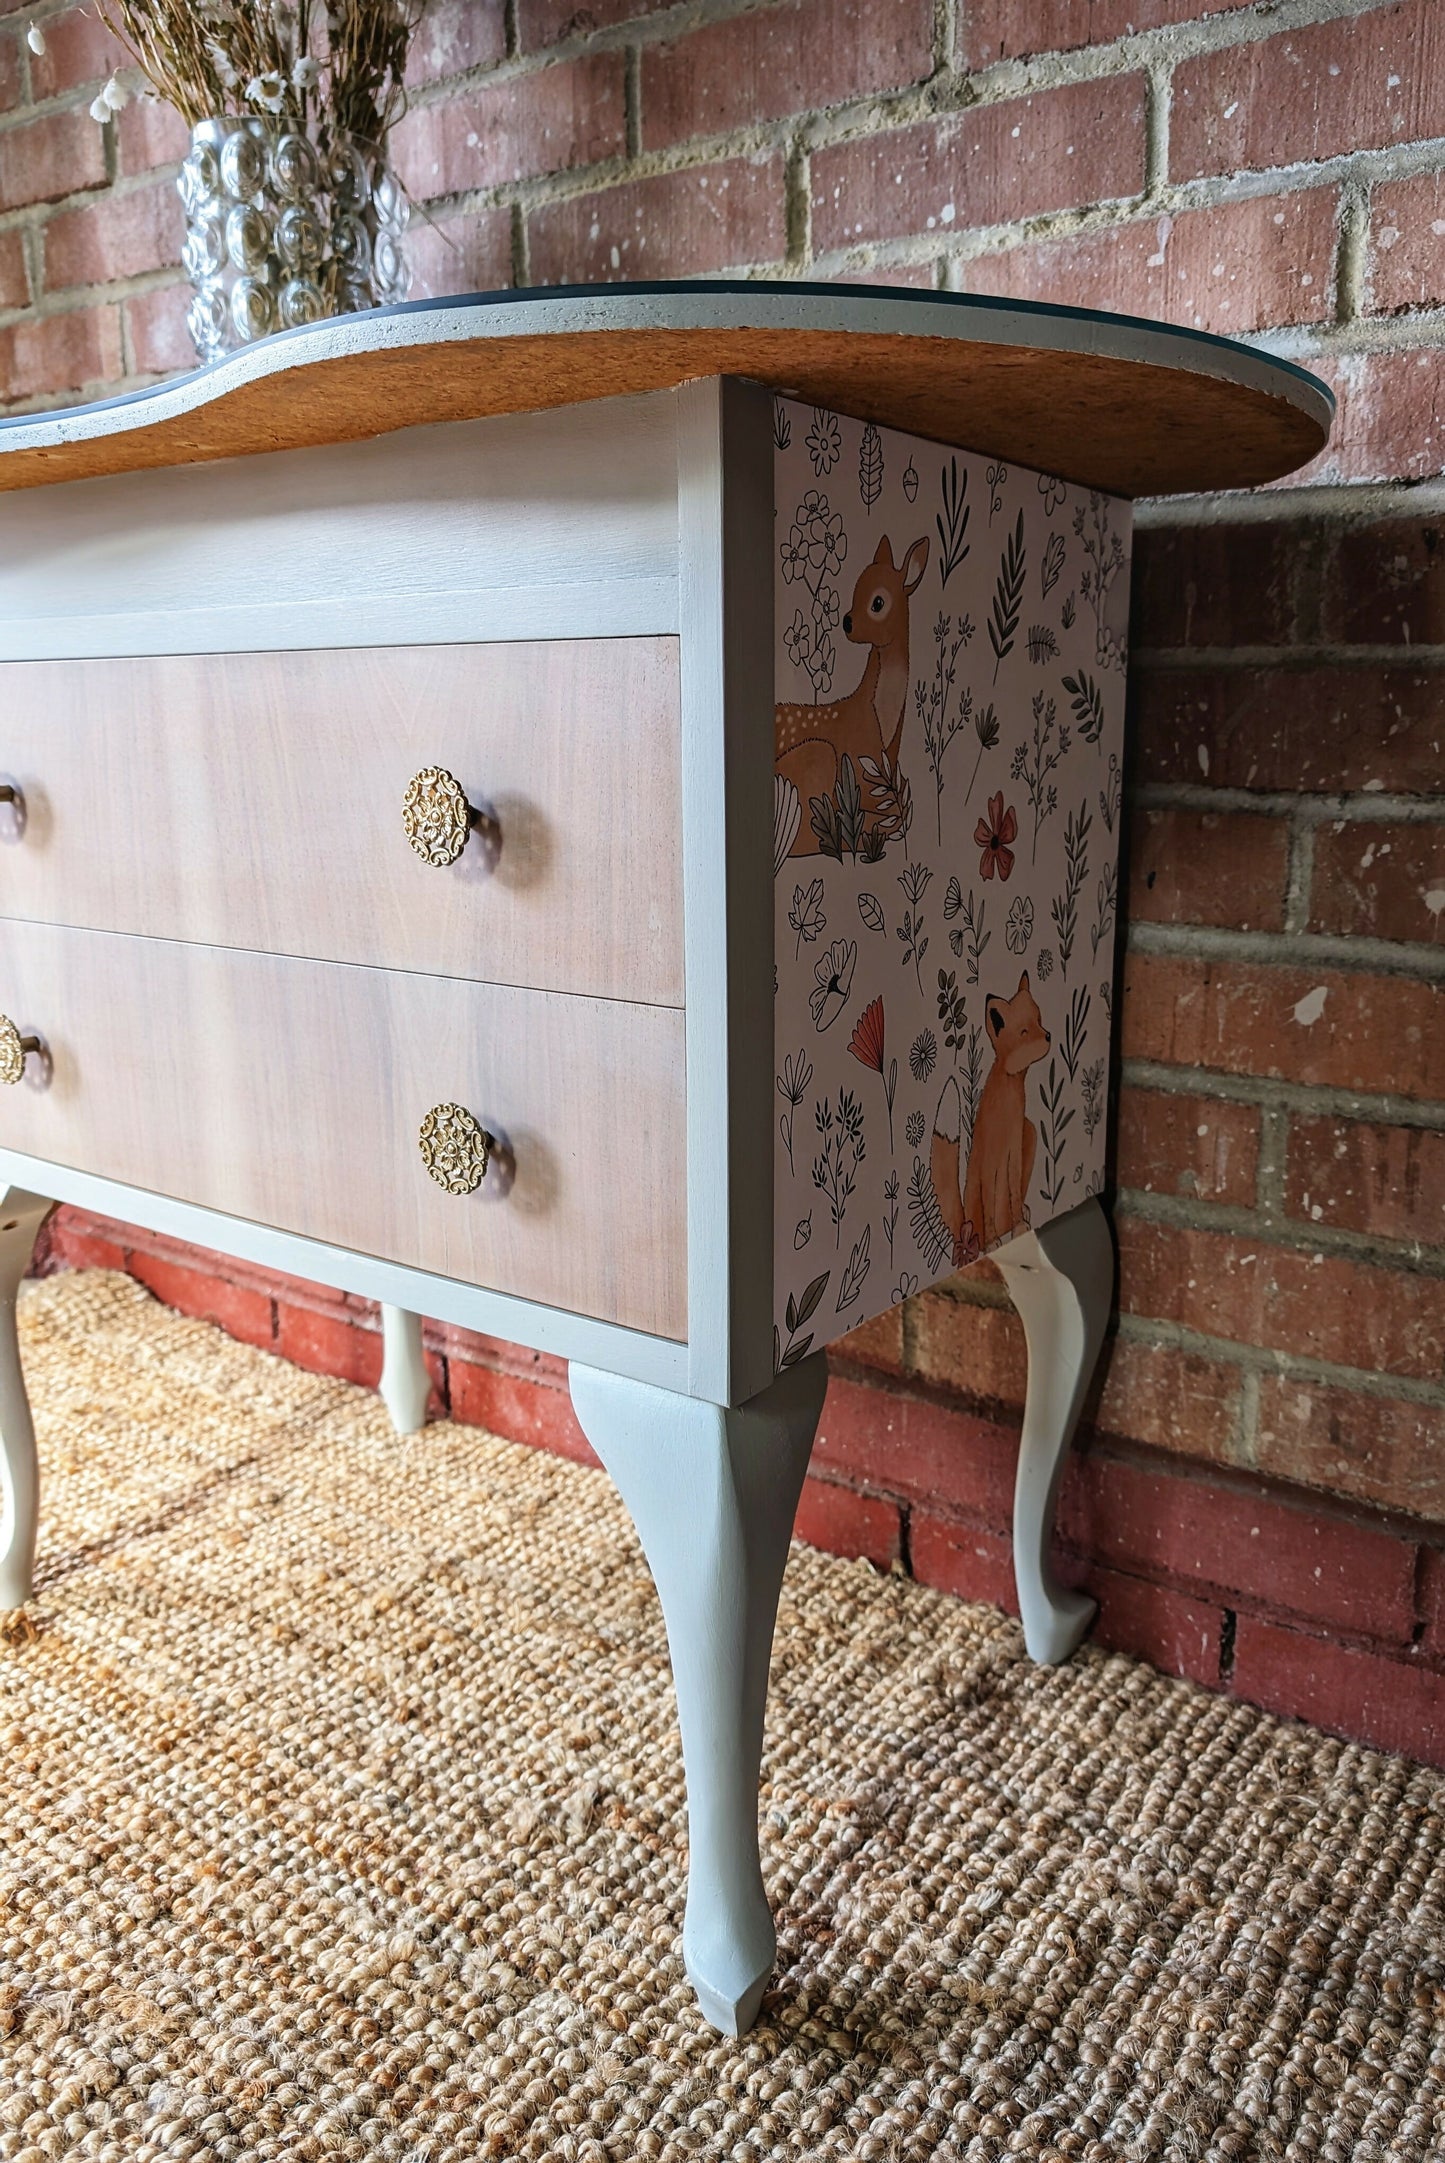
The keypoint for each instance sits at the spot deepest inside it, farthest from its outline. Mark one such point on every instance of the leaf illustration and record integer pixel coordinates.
(931, 1235)
(1087, 702)
(952, 898)
(1053, 562)
(802, 1311)
(1042, 644)
(952, 521)
(782, 425)
(857, 1270)
(870, 908)
(1008, 596)
(870, 467)
(798, 1351)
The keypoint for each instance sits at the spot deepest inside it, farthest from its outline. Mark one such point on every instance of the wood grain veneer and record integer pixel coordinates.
(255, 800)
(291, 1092)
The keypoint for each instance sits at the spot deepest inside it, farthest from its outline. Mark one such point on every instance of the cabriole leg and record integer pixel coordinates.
(1061, 1280)
(21, 1216)
(405, 1383)
(713, 1493)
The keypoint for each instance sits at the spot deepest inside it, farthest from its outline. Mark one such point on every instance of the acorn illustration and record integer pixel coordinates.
(910, 480)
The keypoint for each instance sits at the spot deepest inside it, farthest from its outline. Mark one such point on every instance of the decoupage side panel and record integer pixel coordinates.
(948, 741)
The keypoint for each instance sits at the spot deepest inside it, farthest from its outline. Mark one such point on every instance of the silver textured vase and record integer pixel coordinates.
(281, 230)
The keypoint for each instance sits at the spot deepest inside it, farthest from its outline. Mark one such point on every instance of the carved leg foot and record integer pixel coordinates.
(712, 1493)
(1061, 1280)
(21, 1216)
(405, 1383)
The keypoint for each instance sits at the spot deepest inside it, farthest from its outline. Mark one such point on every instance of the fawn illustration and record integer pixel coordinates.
(810, 742)
(991, 1201)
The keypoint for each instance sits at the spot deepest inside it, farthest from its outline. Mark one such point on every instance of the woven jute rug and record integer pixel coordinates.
(342, 1816)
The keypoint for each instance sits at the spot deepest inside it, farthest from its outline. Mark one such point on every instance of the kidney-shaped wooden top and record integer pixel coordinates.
(1111, 401)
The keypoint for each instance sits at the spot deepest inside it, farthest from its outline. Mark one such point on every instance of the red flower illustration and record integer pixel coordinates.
(866, 1044)
(966, 1248)
(993, 836)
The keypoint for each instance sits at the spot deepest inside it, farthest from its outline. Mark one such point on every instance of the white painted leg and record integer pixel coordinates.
(1061, 1280)
(405, 1383)
(713, 1493)
(21, 1216)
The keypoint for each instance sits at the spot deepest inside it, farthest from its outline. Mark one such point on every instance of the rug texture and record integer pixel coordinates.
(341, 1815)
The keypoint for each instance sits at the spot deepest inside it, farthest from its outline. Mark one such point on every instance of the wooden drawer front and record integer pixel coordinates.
(291, 1093)
(255, 800)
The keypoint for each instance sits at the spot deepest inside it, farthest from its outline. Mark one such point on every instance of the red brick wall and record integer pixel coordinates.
(1261, 1501)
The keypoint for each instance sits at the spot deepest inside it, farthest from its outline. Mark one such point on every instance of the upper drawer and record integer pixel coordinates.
(255, 800)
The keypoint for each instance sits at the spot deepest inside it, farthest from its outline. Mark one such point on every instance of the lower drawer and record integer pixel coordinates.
(292, 1093)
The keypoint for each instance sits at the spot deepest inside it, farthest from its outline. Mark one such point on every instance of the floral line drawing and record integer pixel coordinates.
(1041, 643)
(1034, 772)
(782, 426)
(870, 467)
(814, 553)
(806, 915)
(931, 701)
(835, 1168)
(914, 880)
(996, 476)
(952, 520)
(832, 982)
(867, 1047)
(1105, 551)
(923, 1055)
(906, 1286)
(1068, 612)
(825, 441)
(890, 1211)
(1087, 703)
(913, 1132)
(995, 836)
(1020, 926)
(1008, 597)
(1112, 793)
(794, 1083)
(1065, 906)
(857, 1269)
(1053, 491)
(971, 931)
(870, 908)
(797, 1313)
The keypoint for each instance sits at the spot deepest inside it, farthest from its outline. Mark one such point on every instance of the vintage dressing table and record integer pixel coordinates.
(593, 816)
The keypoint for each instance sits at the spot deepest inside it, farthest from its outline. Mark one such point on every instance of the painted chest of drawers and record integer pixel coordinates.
(596, 818)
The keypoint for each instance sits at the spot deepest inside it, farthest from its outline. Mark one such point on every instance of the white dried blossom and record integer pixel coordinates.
(227, 73)
(99, 110)
(307, 73)
(115, 94)
(268, 91)
(35, 39)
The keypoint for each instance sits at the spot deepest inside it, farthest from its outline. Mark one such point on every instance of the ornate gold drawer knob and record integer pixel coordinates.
(455, 1148)
(14, 1050)
(437, 817)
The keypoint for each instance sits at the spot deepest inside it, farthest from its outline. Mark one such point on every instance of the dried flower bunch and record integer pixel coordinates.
(325, 68)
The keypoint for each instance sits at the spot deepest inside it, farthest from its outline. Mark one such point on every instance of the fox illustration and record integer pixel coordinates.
(990, 1202)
